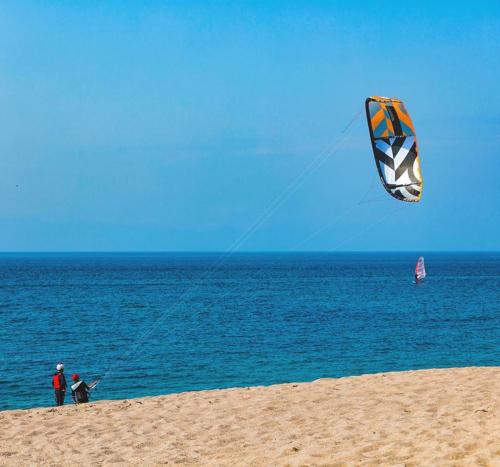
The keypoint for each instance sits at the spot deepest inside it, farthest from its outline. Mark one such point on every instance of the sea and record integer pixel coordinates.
(159, 323)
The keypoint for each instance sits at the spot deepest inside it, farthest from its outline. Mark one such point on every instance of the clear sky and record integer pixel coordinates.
(174, 125)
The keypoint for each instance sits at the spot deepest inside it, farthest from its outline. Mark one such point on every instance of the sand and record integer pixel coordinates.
(428, 417)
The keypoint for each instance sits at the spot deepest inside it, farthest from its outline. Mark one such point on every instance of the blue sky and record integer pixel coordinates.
(174, 125)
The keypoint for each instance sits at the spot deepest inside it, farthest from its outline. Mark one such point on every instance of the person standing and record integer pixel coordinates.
(59, 384)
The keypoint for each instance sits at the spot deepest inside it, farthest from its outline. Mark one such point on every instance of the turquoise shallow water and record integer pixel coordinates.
(162, 323)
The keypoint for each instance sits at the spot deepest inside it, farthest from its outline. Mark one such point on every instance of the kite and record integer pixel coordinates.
(394, 144)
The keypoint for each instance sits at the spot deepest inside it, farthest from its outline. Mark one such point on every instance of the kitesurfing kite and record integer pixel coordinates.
(420, 270)
(394, 144)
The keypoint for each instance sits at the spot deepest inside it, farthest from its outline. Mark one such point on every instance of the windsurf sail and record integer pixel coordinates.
(394, 145)
(420, 269)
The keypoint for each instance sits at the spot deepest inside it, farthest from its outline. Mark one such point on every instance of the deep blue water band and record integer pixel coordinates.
(259, 319)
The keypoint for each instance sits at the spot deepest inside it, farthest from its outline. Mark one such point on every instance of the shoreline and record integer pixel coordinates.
(69, 402)
(413, 417)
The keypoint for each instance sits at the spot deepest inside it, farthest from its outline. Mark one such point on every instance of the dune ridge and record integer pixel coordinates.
(424, 417)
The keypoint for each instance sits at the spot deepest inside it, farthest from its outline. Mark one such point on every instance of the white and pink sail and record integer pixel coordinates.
(420, 269)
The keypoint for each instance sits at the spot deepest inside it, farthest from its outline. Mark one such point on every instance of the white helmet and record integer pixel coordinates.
(60, 367)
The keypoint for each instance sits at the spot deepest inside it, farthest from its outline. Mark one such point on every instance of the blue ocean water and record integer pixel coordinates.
(162, 323)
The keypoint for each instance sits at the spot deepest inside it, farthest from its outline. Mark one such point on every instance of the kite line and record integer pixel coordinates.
(275, 204)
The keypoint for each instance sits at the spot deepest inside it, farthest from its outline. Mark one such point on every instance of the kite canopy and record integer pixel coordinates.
(394, 144)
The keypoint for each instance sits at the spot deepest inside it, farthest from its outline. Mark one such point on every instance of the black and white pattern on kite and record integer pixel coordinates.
(398, 166)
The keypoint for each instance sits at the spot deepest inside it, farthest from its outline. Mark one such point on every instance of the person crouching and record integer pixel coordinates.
(79, 390)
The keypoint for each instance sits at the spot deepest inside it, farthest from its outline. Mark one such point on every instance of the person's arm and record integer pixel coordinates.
(60, 378)
(63, 385)
(73, 396)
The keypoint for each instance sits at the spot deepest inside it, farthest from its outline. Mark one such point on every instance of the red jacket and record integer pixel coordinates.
(59, 381)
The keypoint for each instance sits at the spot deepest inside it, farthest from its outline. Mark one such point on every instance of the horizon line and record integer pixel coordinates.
(236, 252)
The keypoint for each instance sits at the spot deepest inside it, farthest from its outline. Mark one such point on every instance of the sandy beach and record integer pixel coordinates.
(428, 417)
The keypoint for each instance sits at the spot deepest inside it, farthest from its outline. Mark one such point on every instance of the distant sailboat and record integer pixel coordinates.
(420, 270)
